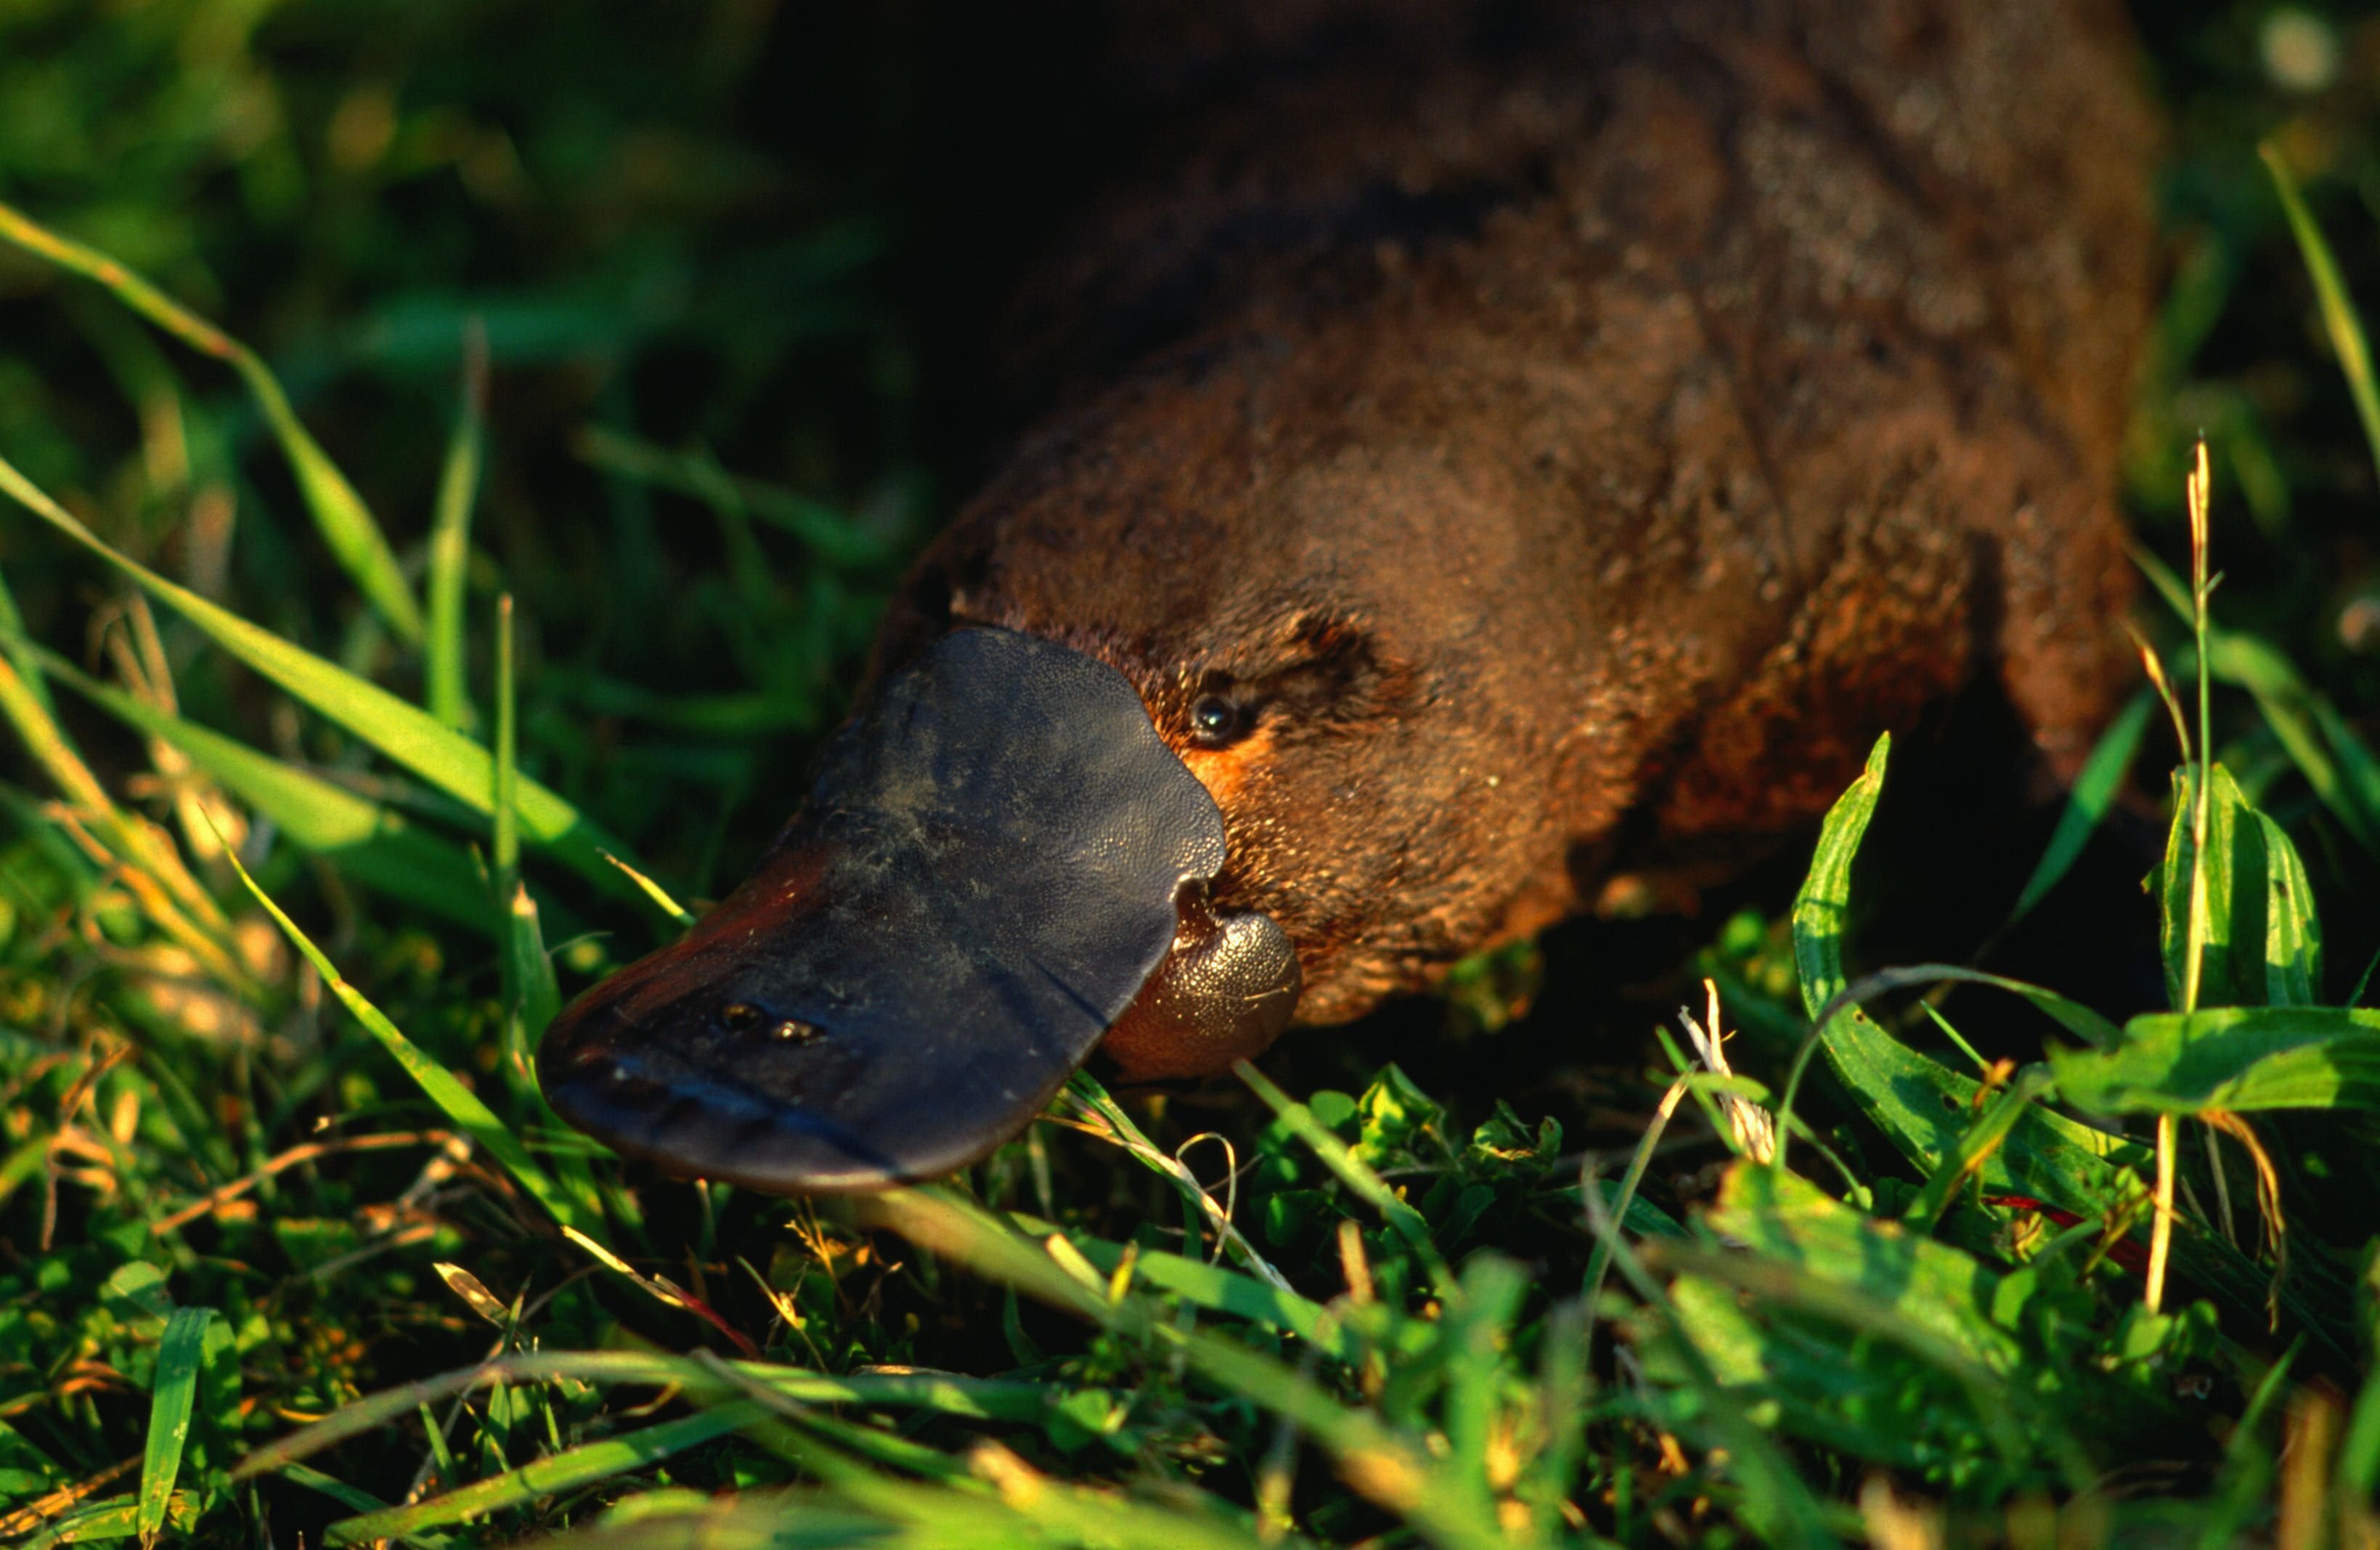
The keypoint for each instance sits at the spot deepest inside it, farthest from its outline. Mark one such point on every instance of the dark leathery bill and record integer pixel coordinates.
(999, 854)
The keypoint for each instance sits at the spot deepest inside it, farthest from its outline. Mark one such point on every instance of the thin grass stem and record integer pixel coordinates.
(445, 691)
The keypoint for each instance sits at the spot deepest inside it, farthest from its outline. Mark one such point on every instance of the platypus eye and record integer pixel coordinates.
(1216, 719)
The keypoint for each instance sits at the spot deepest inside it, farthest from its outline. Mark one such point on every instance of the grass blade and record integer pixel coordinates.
(532, 993)
(2324, 745)
(17, 643)
(2338, 315)
(652, 890)
(1984, 1137)
(1102, 1115)
(176, 1388)
(1775, 1502)
(458, 1103)
(2103, 776)
(368, 842)
(1227, 1291)
(450, 543)
(940, 1393)
(337, 1490)
(406, 733)
(503, 794)
(822, 527)
(116, 1517)
(2334, 758)
(567, 1471)
(152, 867)
(340, 515)
(2359, 1454)
(1373, 1459)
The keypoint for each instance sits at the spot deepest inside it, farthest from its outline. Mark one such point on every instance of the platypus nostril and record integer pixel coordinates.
(792, 1030)
(1223, 994)
(738, 1017)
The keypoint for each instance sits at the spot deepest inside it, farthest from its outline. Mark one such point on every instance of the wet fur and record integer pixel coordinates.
(1573, 432)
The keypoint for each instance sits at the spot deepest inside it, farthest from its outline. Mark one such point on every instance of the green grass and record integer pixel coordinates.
(314, 818)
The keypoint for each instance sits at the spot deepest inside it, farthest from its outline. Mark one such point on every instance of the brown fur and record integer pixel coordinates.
(1585, 430)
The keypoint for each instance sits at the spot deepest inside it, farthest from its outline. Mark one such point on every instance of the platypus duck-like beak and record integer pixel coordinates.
(1000, 861)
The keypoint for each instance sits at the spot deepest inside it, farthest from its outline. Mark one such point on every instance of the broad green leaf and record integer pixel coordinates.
(340, 514)
(2262, 940)
(368, 841)
(1860, 1334)
(793, 1520)
(1820, 908)
(1805, 1377)
(2179, 877)
(885, 1511)
(26, 1471)
(1929, 1286)
(176, 1385)
(2292, 930)
(2102, 777)
(2237, 1059)
(566, 1470)
(406, 733)
(1922, 1106)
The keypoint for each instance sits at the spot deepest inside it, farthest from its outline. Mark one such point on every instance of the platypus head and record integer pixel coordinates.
(1001, 859)
(1208, 712)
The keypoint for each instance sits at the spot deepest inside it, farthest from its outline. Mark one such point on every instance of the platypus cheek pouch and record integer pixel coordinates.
(1000, 858)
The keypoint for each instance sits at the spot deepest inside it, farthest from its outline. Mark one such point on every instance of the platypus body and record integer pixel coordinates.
(1500, 444)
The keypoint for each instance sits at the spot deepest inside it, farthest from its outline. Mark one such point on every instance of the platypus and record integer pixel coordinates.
(1495, 445)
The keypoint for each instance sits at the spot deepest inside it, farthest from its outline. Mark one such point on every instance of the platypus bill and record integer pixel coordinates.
(999, 854)
(1500, 445)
